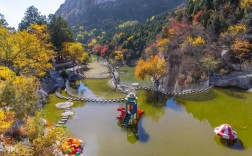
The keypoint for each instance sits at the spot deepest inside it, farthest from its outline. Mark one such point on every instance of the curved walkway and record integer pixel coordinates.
(95, 73)
(58, 94)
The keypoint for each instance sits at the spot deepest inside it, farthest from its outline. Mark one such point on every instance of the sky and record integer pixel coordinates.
(13, 10)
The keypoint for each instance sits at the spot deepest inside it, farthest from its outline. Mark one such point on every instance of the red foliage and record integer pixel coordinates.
(104, 50)
(197, 15)
(97, 48)
(180, 28)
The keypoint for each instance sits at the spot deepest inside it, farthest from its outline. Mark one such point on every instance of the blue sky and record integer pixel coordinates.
(14, 10)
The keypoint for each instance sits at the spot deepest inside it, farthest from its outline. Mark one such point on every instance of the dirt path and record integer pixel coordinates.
(97, 68)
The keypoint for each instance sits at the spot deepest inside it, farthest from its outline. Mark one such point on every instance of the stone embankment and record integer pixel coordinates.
(236, 79)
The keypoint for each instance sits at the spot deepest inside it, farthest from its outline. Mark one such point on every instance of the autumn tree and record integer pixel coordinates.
(233, 33)
(18, 93)
(76, 52)
(32, 16)
(119, 56)
(6, 120)
(154, 67)
(52, 140)
(245, 4)
(241, 49)
(24, 53)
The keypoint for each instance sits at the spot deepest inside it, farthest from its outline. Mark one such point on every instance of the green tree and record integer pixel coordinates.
(59, 31)
(3, 21)
(32, 16)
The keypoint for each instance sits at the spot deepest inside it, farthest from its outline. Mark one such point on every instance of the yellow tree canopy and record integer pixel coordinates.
(6, 120)
(153, 66)
(197, 41)
(75, 51)
(18, 92)
(246, 4)
(118, 55)
(6, 73)
(241, 48)
(24, 52)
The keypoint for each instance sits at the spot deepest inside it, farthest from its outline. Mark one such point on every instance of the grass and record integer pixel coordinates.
(127, 75)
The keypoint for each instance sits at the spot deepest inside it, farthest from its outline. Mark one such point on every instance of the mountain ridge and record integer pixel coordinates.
(93, 13)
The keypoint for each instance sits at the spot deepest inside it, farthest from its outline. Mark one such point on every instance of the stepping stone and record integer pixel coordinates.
(93, 100)
(58, 125)
(61, 122)
(105, 100)
(64, 120)
(114, 100)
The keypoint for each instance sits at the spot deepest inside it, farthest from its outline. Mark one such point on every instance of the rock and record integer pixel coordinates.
(64, 104)
(67, 113)
(250, 90)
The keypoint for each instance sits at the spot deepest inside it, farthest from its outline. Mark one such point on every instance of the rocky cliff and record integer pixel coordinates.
(95, 12)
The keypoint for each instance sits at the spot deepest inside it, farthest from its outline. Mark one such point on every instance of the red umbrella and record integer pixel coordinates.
(226, 131)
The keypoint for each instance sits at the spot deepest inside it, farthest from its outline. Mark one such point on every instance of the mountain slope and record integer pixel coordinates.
(93, 13)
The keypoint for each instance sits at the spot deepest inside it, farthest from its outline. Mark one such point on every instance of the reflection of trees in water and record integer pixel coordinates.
(152, 103)
(234, 92)
(202, 96)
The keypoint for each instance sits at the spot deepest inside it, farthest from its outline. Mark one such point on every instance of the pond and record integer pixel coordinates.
(169, 126)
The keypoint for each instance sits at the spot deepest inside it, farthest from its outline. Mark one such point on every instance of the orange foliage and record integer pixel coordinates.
(197, 15)
(153, 66)
(241, 48)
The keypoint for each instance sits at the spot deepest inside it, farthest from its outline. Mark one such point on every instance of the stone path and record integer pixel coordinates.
(97, 69)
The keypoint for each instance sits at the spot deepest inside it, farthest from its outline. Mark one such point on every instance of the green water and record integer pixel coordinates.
(230, 106)
(169, 126)
(100, 88)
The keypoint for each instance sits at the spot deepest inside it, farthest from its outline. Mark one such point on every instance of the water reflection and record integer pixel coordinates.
(232, 144)
(172, 104)
(135, 132)
(203, 96)
(153, 104)
(234, 92)
(84, 91)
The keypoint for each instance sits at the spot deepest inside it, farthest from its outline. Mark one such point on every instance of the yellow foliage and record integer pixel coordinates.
(75, 51)
(237, 28)
(153, 66)
(130, 38)
(246, 4)
(118, 55)
(25, 52)
(117, 36)
(6, 73)
(197, 41)
(53, 139)
(6, 120)
(92, 43)
(152, 18)
(241, 48)
(163, 44)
